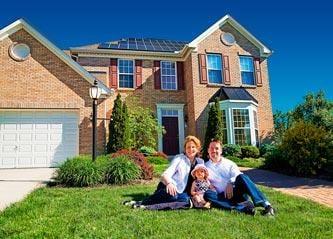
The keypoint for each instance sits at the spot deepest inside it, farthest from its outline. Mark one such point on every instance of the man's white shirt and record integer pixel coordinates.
(221, 173)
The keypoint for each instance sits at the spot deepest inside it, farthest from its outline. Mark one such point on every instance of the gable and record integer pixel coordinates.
(264, 51)
(21, 24)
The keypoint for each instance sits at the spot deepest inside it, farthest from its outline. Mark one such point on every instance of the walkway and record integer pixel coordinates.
(16, 184)
(320, 191)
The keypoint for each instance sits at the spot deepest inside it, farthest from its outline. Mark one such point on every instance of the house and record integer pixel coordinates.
(178, 79)
(45, 108)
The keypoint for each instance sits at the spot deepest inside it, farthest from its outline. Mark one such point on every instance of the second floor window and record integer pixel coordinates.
(126, 73)
(214, 68)
(247, 70)
(168, 75)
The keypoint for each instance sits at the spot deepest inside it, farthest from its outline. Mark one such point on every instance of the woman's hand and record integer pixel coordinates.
(171, 189)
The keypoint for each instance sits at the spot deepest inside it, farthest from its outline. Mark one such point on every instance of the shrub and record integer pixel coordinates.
(79, 171)
(231, 150)
(157, 160)
(249, 151)
(161, 154)
(121, 170)
(139, 159)
(276, 161)
(147, 151)
(214, 128)
(266, 150)
(307, 148)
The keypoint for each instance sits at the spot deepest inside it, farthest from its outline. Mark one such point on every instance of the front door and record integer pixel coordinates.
(171, 137)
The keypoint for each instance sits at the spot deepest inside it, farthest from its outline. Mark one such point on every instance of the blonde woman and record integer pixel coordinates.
(175, 186)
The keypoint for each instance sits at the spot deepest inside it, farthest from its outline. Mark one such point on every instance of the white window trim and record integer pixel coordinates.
(228, 106)
(222, 80)
(176, 76)
(118, 73)
(181, 123)
(240, 70)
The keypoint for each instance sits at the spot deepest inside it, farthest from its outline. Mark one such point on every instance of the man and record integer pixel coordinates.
(233, 188)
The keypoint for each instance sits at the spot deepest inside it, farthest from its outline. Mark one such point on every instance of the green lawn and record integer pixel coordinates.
(98, 213)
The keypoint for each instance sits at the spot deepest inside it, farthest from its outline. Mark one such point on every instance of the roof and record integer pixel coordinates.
(172, 46)
(233, 93)
(21, 24)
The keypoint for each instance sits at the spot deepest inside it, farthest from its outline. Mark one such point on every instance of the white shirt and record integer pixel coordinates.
(179, 171)
(221, 173)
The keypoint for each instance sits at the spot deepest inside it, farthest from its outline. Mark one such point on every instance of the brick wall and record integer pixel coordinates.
(43, 81)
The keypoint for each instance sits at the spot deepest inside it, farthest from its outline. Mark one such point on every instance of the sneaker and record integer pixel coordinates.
(129, 203)
(190, 204)
(269, 211)
(139, 206)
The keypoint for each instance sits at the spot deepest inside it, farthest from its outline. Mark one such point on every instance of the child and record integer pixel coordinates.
(199, 186)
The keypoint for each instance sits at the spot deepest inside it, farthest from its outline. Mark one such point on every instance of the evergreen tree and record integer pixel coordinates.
(214, 127)
(116, 129)
(126, 129)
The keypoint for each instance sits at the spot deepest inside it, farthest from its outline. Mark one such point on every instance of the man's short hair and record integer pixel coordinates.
(215, 140)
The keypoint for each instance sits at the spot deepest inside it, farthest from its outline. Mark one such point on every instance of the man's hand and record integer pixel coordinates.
(229, 191)
(171, 189)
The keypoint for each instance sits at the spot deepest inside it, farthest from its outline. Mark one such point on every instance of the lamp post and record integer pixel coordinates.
(95, 93)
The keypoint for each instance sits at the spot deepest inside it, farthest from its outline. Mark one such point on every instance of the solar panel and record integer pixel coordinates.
(144, 44)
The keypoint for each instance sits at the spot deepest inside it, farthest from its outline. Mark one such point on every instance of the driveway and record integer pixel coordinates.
(16, 184)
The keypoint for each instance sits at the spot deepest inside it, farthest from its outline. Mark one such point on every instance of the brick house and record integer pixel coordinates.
(45, 108)
(177, 80)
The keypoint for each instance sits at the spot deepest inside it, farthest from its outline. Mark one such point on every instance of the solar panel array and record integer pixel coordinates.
(144, 44)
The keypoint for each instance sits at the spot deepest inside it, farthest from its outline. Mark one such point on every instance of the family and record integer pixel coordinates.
(190, 182)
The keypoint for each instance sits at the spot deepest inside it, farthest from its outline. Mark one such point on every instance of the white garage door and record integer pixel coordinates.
(37, 139)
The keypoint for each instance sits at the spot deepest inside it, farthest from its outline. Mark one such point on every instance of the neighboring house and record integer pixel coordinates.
(178, 79)
(45, 107)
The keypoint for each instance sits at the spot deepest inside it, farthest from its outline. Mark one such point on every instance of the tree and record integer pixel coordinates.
(116, 127)
(214, 127)
(316, 110)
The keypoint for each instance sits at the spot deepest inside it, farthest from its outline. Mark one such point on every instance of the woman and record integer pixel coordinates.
(175, 186)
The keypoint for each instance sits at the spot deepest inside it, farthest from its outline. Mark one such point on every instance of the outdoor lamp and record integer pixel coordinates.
(95, 93)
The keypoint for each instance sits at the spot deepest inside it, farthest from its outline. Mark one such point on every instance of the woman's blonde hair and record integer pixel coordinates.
(193, 139)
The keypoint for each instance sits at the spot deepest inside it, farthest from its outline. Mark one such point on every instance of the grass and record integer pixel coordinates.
(98, 213)
(248, 162)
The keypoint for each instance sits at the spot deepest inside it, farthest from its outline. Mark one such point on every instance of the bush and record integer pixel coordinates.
(266, 150)
(147, 151)
(231, 150)
(249, 151)
(157, 160)
(276, 161)
(121, 170)
(79, 171)
(307, 148)
(147, 170)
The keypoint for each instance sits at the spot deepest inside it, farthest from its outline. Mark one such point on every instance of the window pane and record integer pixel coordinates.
(224, 125)
(126, 81)
(248, 78)
(241, 118)
(243, 136)
(215, 76)
(246, 63)
(214, 62)
(255, 119)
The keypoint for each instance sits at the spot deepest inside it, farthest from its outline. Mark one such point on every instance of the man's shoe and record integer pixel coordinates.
(139, 206)
(130, 203)
(269, 211)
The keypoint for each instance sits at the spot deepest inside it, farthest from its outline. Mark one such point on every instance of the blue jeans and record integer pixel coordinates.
(161, 196)
(243, 189)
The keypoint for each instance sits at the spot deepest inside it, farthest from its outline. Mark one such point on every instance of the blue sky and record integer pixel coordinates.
(299, 32)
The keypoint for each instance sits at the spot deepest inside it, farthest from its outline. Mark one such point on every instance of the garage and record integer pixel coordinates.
(30, 139)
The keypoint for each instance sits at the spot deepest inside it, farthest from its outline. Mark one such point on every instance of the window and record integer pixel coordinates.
(247, 70)
(126, 73)
(255, 119)
(214, 68)
(224, 125)
(168, 75)
(242, 129)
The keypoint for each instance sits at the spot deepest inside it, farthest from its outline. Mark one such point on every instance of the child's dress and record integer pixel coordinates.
(200, 186)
